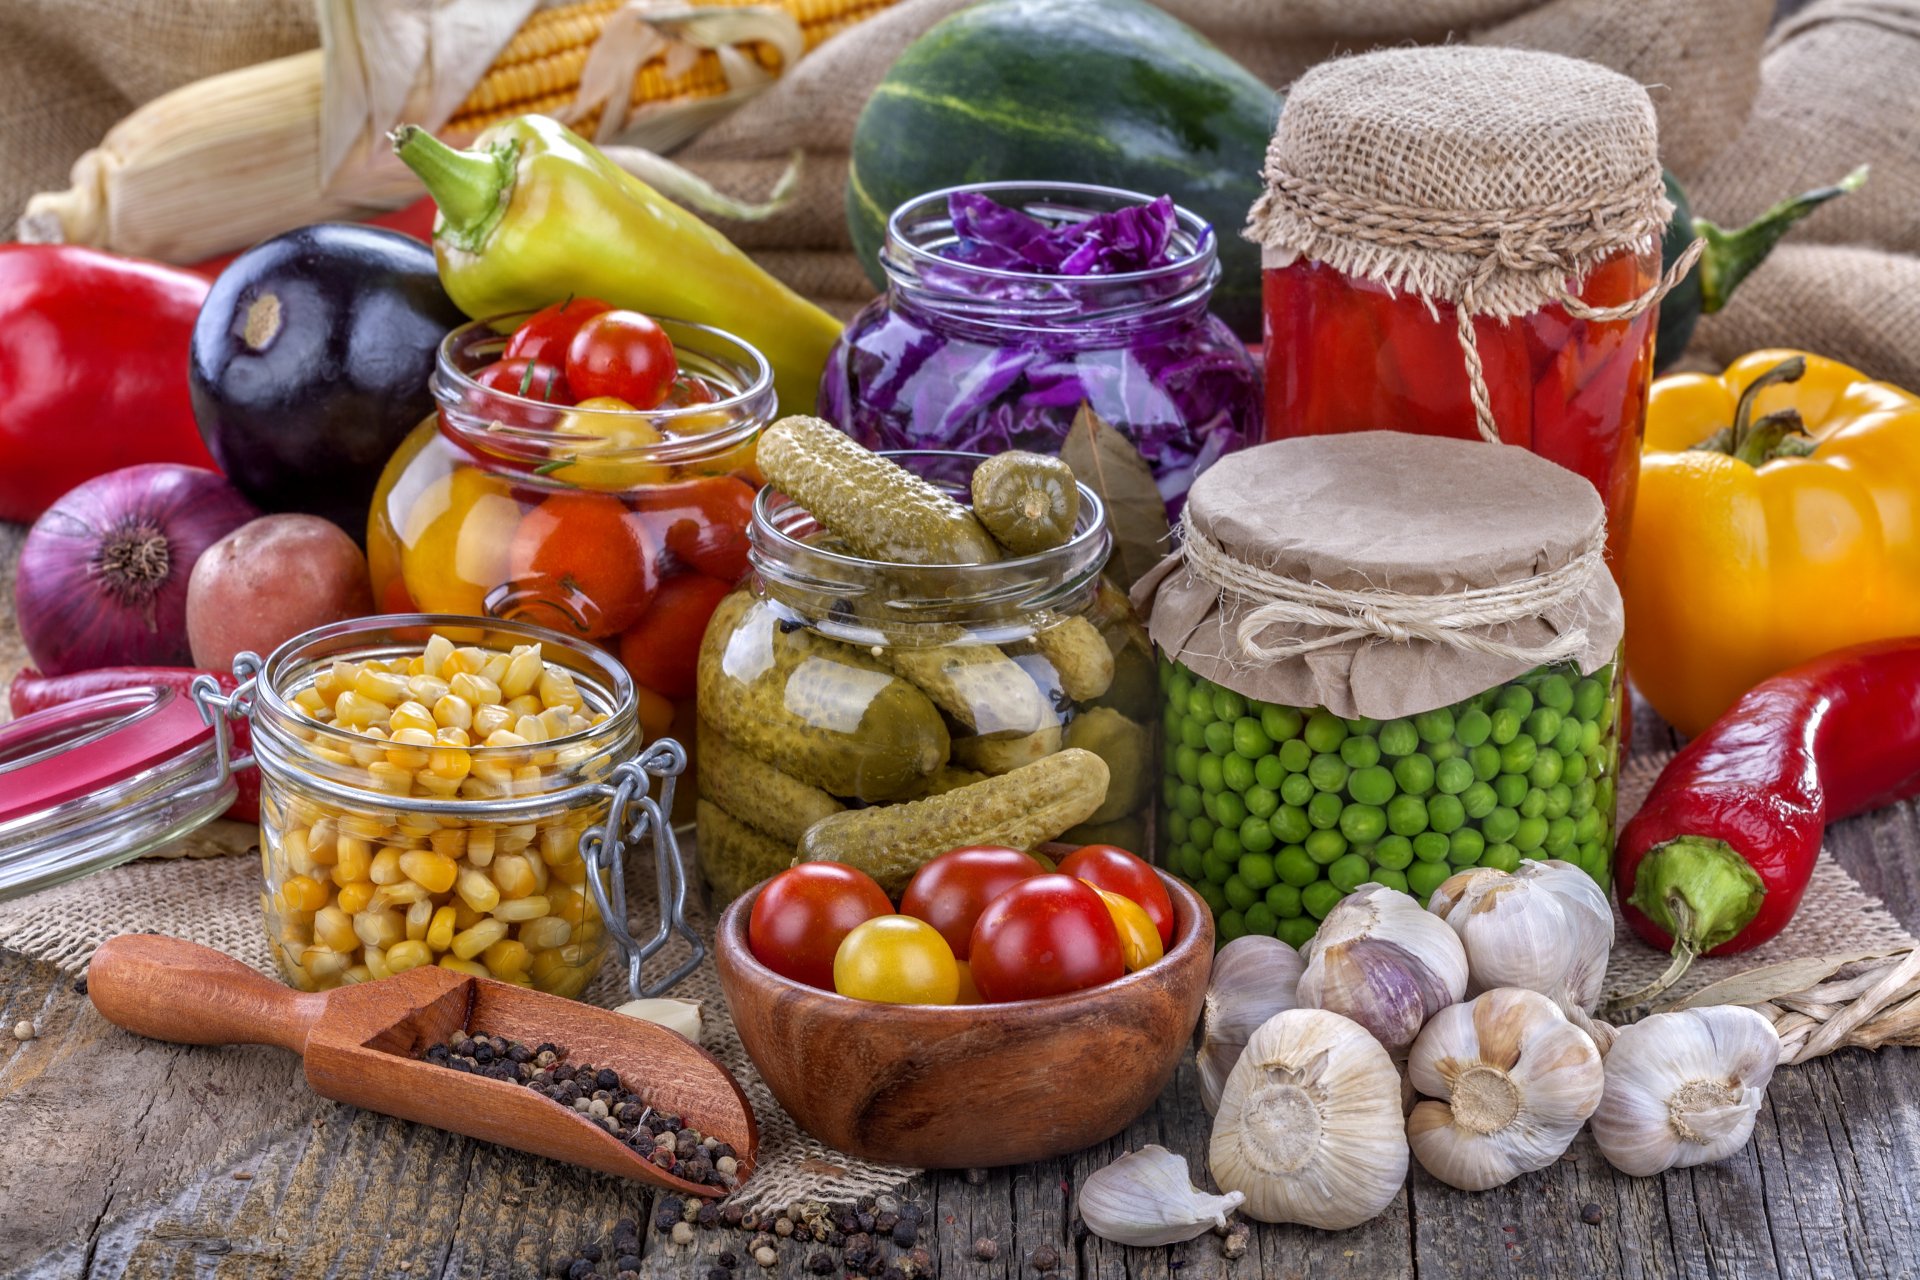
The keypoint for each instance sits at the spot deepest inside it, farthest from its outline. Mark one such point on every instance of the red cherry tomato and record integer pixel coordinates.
(800, 918)
(950, 892)
(580, 563)
(531, 379)
(1046, 936)
(545, 334)
(1112, 868)
(690, 389)
(662, 650)
(702, 522)
(622, 354)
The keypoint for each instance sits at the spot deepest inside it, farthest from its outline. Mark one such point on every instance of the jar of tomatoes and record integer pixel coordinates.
(607, 524)
(1466, 242)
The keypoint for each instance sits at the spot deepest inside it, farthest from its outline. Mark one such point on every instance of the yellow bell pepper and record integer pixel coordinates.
(1778, 518)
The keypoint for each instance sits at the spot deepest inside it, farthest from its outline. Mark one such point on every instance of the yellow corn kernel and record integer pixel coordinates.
(467, 967)
(530, 728)
(357, 973)
(545, 933)
(363, 825)
(428, 869)
(333, 928)
(465, 917)
(571, 873)
(579, 753)
(449, 764)
(323, 842)
(557, 722)
(416, 666)
(476, 890)
(334, 681)
(494, 667)
(391, 778)
(411, 954)
(505, 958)
(557, 689)
(429, 783)
(386, 866)
(354, 858)
(403, 894)
(540, 873)
(419, 916)
(426, 690)
(513, 876)
(368, 750)
(324, 962)
(296, 854)
(376, 961)
(354, 897)
(487, 720)
(379, 928)
(559, 843)
(477, 788)
(416, 828)
(523, 671)
(355, 711)
(526, 704)
(517, 838)
(449, 842)
(411, 715)
(569, 905)
(473, 657)
(480, 846)
(310, 701)
(452, 737)
(469, 943)
(474, 689)
(590, 932)
(434, 656)
(410, 749)
(303, 893)
(383, 687)
(450, 712)
(520, 909)
(333, 756)
(440, 929)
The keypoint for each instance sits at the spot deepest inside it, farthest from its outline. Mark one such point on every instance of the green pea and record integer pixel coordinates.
(1269, 772)
(1393, 852)
(1398, 738)
(1236, 772)
(1216, 868)
(1414, 774)
(1193, 734)
(1226, 843)
(1232, 925)
(1431, 846)
(1170, 790)
(1200, 704)
(1360, 751)
(1594, 861)
(1324, 846)
(1583, 793)
(1567, 740)
(1349, 873)
(1362, 725)
(1319, 898)
(1256, 869)
(1323, 811)
(1371, 785)
(1500, 824)
(1186, 764)
(1299, 931)
(1283, 900)
(1531, 834)
(1534, 803)
(1294, 867)
(1434, 726)
(1171, 718)
(1327, 772)
(1279, 723)
(1406, 815)
(1546, 769)
(1289, 824)
(1240, 894)
(1587, 827)
(1297, 789)
(1603, 798)
(1505, 728)
(1510, 789)
(1229, 810)
(1485, 760)
(1517, 699)
(1445, 814)
(1219, 738)
(1518, 756)
(1441, 752)
(1573, 767)
(1472, 727)
(1608, 710)
(1177, 828)
(1465, 846)
(1178, 684)
(1555, 691)
(1249, 739)
(1501, 857)
(1560, 837)
(1390, 878)
(1543, 724)
(1216, 901)
(1200, 831)
(1478, 800)
(1211, 777)
(1211, 803)
(1295, 755)
(1590, 738)
(1453, 777)
(1363, 823)
(1588, 697)
(1324, 731)
(1187, 861)
(1261, 802)
(1261, 920)
(1228, 705)
(1424, 877)
(1559, 801)
(1188, 800)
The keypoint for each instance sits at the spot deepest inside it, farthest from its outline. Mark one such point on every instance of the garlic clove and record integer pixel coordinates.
(1546, 927)
(1382, 960)
(1310, 1127)
(1146, 1197)
(1254, 977)
(1514, 1081)
(682, 1016)
(1589, 917)
(1684, 1088)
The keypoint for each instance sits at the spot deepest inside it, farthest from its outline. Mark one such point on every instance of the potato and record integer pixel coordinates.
(270, 580)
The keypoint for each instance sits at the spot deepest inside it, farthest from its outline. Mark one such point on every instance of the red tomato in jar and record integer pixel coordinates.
(950, 892)
(801, 917)
(546, 334)
(580, 563)
(689, 389)
(530, 379)
(662, 650)
(702, 522)
(1112, 868)
(622, 354)
(1046, 936)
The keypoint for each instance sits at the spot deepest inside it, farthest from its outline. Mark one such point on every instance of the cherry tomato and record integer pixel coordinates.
(545, 334)
(950, 892)
(1106, 866)
(623, 354)
(690, 389)
(896, 960)
(580, 563)
(529, 379)
(1139, 941)
(969, 994)
(702, 522)
(798, 920)
(662, 650)
(1048, 935)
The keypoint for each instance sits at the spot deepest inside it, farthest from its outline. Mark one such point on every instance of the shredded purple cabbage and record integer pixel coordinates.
(988, 234)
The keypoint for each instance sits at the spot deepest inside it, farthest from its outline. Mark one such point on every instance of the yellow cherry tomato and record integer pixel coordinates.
(612, 432)
(896, 960)
(1139, 938)
(969, 994)
(456, 541)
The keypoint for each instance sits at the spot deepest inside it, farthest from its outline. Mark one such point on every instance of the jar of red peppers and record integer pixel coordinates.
(617, 526)
(1466, 242)
(1010, 305)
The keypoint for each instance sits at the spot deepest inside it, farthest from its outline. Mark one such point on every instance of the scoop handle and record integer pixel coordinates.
(171, 989)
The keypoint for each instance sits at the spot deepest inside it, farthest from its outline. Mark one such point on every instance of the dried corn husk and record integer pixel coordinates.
(1824, 1003)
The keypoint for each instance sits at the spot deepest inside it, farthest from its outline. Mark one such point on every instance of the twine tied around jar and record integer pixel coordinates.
(1456, 619)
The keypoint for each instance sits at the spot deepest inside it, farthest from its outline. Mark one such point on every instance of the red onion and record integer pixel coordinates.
(102, 580)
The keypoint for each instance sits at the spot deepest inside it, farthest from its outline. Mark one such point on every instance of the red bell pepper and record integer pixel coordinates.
(415, 220)
(31, 691)
(1716, 860)
(93, 370)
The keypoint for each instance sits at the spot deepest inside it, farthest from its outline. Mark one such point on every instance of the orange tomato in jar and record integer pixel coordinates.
(580, 563)
(457, 543)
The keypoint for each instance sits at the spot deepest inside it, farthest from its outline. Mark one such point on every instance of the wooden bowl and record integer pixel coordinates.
(969, 1086)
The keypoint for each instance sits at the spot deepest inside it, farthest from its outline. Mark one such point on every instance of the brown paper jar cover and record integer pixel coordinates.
(1387, 511)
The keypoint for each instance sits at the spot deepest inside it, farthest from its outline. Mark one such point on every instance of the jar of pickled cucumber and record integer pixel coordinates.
(1382, 659)
(831, 681)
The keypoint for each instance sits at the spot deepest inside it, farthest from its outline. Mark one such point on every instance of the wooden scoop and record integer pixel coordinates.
(362, 1045)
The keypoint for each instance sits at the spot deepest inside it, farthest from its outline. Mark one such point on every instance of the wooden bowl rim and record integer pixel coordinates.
(1189, 907)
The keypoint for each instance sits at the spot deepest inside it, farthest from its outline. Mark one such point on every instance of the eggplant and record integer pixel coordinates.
(310, 363)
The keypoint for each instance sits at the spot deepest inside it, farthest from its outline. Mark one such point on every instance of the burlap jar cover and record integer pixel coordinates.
(1490, 180)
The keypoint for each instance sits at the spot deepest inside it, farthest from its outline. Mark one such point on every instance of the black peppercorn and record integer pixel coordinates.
(668, 1212)
(580, 1269)
(728, 1259)
(821, 1263)
(1590, 1214)
(1045, 1258)
(905, 1233)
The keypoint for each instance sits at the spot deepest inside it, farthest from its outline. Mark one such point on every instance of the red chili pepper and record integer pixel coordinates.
(31, 691)
(1716, 860)
(93, 359)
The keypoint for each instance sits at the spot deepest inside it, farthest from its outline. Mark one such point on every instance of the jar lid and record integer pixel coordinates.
(99, 781)
(1384, 574)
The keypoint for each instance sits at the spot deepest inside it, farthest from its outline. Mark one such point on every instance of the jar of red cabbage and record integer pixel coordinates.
(1010, 305)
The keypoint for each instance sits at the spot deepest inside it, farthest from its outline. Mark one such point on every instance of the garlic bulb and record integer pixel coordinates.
(1310, 1127)
(1515, 1081)
(1382, 960)
(1545, 927)
(1684, 1088)
(1254, 977)
(675, 1015)
(1146, 1198)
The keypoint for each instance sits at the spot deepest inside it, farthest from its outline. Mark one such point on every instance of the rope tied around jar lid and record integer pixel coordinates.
(1453, 619)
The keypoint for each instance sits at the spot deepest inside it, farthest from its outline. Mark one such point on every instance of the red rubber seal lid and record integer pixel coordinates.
(78, 748)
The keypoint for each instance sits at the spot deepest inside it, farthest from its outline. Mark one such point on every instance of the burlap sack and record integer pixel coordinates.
(1840, 86)
(1859, 305)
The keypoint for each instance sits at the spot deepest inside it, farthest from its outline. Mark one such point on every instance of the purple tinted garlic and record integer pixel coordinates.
(1382, 960)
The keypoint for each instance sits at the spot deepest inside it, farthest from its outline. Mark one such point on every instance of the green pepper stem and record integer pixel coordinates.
(1732, 255)
(470, 187)
(1700, 893)
(1780, 434)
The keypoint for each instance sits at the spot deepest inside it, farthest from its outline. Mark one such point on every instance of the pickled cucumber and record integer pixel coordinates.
(1134, 692)
(882, 510)
(1079, 655)
(765, 798)
(976, 684)
(1127, 747)
(826, 713)
(999, 755)
(1025, 808)
(733, 856)
(944, 779)
(1027, 501)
